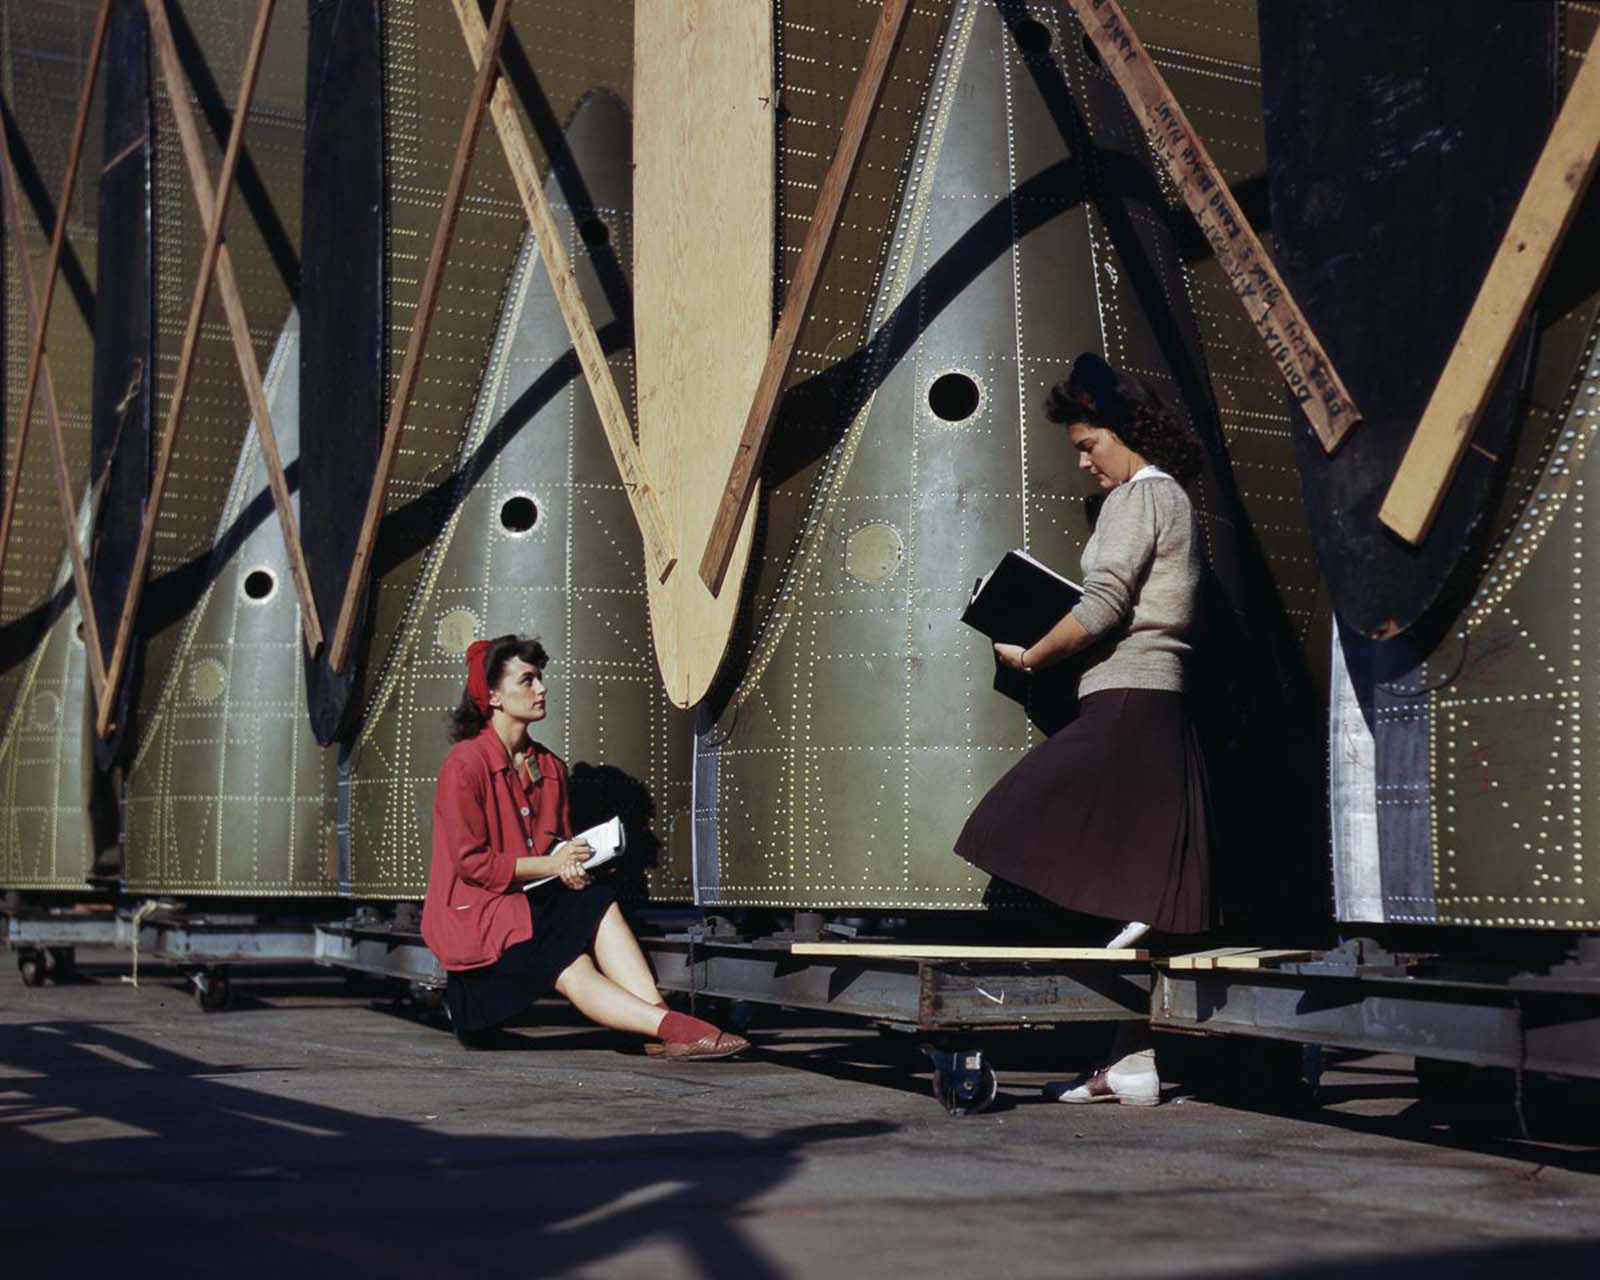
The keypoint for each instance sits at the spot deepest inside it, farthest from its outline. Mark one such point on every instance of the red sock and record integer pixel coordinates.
(680, 1028)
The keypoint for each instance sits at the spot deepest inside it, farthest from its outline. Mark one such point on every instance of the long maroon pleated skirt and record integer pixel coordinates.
(1108, 816)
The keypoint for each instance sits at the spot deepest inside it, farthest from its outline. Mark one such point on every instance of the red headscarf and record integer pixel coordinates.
(478, 676)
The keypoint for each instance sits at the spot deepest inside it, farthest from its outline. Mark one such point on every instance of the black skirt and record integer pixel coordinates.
(564, 924)
(1108, 816)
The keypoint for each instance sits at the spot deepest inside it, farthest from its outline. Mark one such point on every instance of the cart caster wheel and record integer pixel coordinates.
(213, 990)
(63, 962)
(963, 1082)
(31, 965)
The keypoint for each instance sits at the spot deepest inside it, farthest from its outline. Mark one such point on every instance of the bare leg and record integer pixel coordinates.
(601, 1000)
(617, 953)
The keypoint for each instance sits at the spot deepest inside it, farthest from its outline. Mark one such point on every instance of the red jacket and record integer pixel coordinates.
(485, 817)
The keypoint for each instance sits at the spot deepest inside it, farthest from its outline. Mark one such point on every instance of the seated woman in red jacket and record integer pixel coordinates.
(500, 819)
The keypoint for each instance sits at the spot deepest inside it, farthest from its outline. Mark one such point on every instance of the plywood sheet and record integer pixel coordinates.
(703, 269)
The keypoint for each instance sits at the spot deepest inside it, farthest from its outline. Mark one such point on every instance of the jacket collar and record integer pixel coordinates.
(493, 752)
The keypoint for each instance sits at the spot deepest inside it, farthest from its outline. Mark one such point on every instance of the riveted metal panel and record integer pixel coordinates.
(1031, 226)
(540, 539)
(230, 794)
(45, 838)
(1459, 766)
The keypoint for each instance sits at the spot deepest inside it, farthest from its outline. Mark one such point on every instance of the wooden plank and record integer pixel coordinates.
(69, 513)
(740, 489)
(1204, 959)
(416, 344)
(215, 262)
(1538, 226)
(908, 951)
(1294, 348)
(660, 553)
(704, 227)
(58, 239)
(1268, 959)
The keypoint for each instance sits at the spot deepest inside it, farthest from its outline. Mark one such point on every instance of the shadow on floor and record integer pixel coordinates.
(173, 1160)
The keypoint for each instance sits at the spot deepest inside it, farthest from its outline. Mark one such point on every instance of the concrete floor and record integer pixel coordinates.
(318, 1130)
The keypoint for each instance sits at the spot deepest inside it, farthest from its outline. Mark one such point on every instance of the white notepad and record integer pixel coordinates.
(607, 840)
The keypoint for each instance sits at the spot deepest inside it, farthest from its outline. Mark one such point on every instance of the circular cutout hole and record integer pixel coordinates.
(519, 514)
(594, 232)
(953, 397)
(258, 584)
(1090, 52)
(1032, 37)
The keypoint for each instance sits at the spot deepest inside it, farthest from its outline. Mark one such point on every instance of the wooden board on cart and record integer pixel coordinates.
(1236, 958)
(703, 271)
(937, 951)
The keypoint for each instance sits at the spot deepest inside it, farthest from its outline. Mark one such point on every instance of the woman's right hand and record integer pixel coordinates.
(568, 860)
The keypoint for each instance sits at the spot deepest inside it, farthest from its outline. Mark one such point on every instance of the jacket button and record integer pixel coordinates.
(530, 844)
(524, 811)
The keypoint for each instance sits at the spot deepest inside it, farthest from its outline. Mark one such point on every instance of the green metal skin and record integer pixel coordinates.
(541, 540)
(229, 794)
(221, 798)
(428, 79)
(262, 235)
(45, 838)
(859, 729)
(1496, 705)
(853, 727)
(1513, 711)
(46, 841)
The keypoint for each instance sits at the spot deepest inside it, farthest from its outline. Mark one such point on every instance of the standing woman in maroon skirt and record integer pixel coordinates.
(500, 820)
(1108, 816)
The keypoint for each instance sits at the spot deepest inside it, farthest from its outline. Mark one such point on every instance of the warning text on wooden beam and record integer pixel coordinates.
(1304, 366)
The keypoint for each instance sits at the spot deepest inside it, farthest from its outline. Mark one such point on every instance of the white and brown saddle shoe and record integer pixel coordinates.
(1131, 1088)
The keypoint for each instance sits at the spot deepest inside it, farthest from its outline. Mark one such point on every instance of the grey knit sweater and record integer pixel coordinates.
(1141, 575)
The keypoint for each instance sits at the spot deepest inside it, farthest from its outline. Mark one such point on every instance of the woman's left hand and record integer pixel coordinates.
(1010, 655)
(576, 878)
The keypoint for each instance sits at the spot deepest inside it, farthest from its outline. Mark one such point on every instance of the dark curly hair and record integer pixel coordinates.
(1103, 396)
(466, 721)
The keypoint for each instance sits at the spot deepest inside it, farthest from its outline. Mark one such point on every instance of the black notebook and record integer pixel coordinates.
(1020, 600)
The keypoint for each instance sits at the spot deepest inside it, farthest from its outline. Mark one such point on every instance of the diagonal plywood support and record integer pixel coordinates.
(215, 262)
(1538, 225)
(660, 553)
(1301, 361)
(69, 512)
(757, 434)
(367, 537)
(58, 239)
